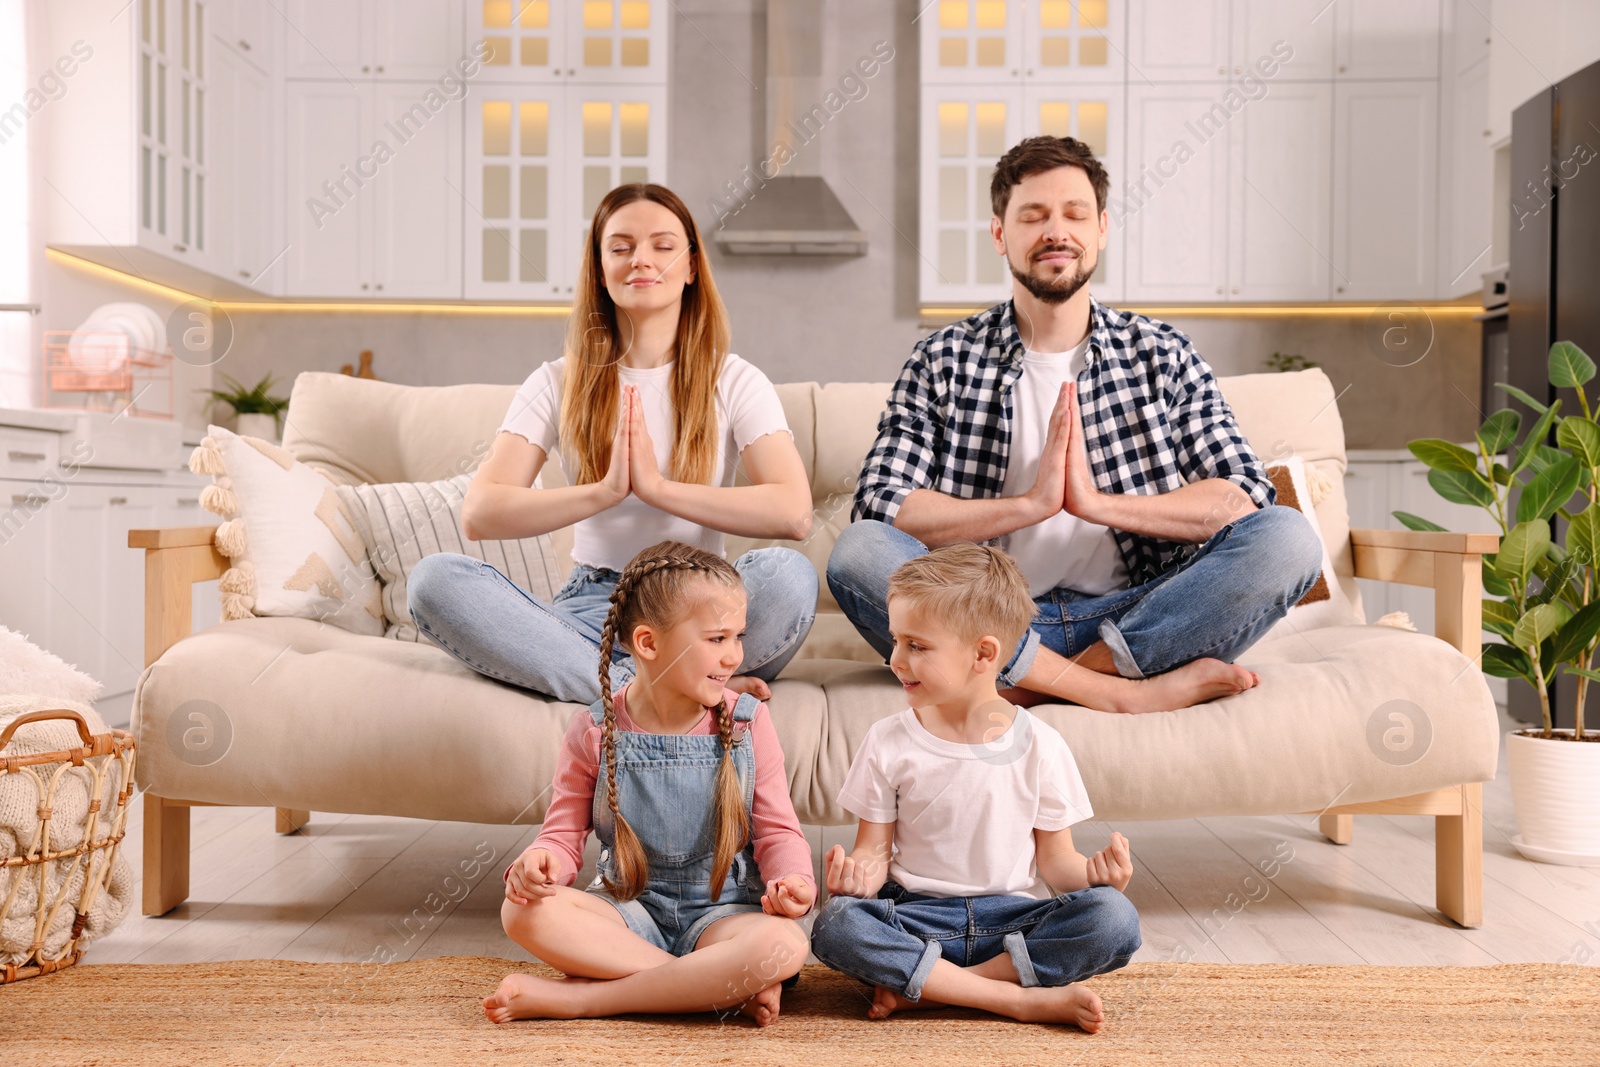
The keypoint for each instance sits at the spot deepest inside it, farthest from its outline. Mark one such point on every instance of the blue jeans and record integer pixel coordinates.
(894, 939)
(1217, 603)
(476, 614)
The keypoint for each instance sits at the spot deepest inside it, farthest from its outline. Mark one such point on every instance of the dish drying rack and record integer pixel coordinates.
(95, 370)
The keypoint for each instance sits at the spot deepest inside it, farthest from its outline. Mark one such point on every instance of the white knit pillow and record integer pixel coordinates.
(291, 541)
(1302, 487)
(401, 522)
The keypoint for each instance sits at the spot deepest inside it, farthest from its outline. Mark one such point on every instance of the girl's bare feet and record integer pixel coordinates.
(749, 683)
(1193, 683)
(763, 1007)
(524, 996)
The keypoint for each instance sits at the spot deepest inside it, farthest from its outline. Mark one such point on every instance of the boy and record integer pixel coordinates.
(963, 886)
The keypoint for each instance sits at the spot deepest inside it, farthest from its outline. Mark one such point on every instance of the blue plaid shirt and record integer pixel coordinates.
(1153, 419)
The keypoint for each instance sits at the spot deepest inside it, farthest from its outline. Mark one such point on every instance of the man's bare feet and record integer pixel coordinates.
(885, 1002)
(1193, 683)
(524, 996)
(749, 683)
(1075, 1004)
(764, 1006)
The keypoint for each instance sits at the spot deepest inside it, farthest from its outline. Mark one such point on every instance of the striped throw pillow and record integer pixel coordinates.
(403, 521)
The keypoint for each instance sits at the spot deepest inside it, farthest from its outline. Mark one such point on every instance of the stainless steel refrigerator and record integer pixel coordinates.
(1554, 292)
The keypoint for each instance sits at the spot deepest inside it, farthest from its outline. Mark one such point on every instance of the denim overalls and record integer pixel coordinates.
(667, 788)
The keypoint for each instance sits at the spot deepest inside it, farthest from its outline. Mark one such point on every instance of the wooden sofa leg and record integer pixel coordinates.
(166, 854)
(1458, 859)
(291, 819)
(1339, 829)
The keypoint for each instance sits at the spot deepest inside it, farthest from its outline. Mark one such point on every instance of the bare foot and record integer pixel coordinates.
(763, 1007)
(1075, 1004)
(885, 1002)
(523, 996)
(749, 683)
(1193, 683)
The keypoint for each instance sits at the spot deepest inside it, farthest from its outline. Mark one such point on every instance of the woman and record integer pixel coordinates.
(651, 416)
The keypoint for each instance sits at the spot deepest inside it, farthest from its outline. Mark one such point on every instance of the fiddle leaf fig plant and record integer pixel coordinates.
(1546, 606)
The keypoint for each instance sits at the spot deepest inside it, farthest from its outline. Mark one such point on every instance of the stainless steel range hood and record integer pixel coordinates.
(794, 213)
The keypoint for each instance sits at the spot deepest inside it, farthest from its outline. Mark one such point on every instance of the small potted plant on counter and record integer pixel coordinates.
(256, 411)
(1545, 595)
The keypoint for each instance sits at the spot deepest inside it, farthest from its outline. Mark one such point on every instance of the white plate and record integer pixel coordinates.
(1555, 855)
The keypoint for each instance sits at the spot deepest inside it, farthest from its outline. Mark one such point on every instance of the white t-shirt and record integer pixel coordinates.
(747, 407)
(964, 815)
(1063, 550)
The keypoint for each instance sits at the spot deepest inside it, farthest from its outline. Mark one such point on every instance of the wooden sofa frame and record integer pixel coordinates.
(1448, 563)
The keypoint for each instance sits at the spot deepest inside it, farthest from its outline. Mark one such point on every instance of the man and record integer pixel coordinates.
(1095, 447)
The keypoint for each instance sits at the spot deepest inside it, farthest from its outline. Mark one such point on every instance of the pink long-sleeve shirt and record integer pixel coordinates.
(780, 846)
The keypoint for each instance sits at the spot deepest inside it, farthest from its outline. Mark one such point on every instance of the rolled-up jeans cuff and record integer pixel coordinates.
(1021, 663)
(1126, 665)
(1017, 947)
(930, 955)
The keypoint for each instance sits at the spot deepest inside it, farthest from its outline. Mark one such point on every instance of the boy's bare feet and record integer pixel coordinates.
(1075, 1004)
(524, 996)
(763, 1007)
(885, 1002)
(749, 683)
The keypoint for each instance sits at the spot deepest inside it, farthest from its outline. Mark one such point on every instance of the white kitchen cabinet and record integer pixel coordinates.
(245, 242)
(539, 160)
(1468, 34)
(1305, 28)
(1172, 217)
(965, 130)
(1386, 39)
(1178, 41)
(1279, 204)
(325, 124)
(976, 43)
(1385, 182)
(1466, 184)
(372, 184)
(1070, 41)
(172, 98)
(367, 39)
(248, 29)
(531, 42)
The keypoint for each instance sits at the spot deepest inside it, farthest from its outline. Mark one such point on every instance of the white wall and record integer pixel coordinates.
(1536, 43)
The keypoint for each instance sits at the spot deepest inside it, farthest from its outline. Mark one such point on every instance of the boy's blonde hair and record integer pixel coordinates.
(973, 589)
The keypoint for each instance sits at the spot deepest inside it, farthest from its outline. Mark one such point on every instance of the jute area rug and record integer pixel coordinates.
(272, 1012)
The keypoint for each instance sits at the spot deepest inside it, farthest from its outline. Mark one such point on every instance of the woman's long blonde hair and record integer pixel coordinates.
(590, 386)
(654, 590)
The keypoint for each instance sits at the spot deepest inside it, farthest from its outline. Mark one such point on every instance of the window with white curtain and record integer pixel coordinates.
(21, 221)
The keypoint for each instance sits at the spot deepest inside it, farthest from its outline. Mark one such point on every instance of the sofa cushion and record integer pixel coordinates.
(324, 720)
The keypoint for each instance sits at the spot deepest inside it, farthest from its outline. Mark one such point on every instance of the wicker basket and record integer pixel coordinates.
(49, 866)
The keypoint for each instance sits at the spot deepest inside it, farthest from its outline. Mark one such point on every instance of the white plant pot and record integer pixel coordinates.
(256, 425)
(1555, 786)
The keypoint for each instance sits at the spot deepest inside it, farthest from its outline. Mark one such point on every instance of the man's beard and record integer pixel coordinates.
(1057, 290)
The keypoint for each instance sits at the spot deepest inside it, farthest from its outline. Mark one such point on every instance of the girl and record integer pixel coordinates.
(652, 416)
(683, 781)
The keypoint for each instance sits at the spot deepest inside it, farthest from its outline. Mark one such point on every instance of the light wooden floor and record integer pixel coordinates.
(360, 888)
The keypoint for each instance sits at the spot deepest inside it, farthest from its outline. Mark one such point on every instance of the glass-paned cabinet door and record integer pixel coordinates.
(518, 182)
(1075, 40)
(523, 39)
(612, 41)
(156, 79)
(971, 42)
(1095, 115)
(191, 85)
(964, 131)
(614, 137)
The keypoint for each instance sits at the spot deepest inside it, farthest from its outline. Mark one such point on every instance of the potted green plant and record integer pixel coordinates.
(256, 411)
(1545, 595)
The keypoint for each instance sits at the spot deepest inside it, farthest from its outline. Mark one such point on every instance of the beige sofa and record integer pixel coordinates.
(325, 720)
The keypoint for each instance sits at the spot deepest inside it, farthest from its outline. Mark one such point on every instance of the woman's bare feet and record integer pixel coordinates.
(763, 1007)
(749, 683)
(524, 996)
(1193, 683)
